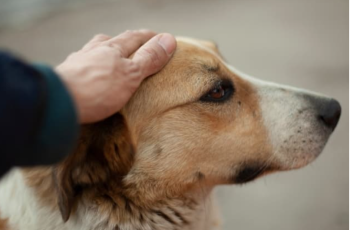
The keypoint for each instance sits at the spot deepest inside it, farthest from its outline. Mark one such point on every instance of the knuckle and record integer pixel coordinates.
(115, 55)
(99, 36)
(134, 67)
(145, 31)
(120, 51)
(133, 70)
(128, 32)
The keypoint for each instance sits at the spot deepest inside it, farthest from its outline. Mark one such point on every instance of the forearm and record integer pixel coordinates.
(38, 124)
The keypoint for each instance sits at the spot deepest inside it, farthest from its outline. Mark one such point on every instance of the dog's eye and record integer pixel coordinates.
(220, 93)
(217, 93)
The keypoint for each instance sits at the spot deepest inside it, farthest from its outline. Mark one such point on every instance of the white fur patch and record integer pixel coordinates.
(290, 118)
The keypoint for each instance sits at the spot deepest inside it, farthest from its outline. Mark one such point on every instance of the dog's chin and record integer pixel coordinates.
(301, 158)
(294, 160)
(251, 172)
(300, 150)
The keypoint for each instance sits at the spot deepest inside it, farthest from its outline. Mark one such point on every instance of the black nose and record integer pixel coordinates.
(329, 113)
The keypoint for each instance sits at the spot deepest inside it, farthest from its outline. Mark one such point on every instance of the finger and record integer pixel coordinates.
(153, 55)
(129, 41)
(98, 38)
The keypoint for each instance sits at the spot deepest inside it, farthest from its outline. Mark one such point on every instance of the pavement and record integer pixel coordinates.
(303, 43)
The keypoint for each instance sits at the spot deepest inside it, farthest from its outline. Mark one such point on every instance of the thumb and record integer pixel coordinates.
(154, 54)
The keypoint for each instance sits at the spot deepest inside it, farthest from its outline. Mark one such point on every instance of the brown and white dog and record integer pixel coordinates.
(196, 124)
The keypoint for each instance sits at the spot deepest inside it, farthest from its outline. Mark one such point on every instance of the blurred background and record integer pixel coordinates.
(303, 43)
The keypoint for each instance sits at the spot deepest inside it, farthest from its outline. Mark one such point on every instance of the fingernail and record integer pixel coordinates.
(167, 41)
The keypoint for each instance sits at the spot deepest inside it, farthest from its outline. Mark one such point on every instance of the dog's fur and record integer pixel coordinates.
(153, 165)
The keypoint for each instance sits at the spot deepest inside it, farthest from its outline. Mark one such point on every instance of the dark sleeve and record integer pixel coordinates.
(38, 122)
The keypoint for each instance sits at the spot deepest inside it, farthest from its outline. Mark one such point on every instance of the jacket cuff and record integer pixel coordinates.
(60, 127)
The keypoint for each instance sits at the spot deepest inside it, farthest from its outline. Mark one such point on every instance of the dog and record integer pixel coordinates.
(196, 124)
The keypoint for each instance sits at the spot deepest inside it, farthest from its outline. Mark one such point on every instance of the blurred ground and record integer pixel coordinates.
(303, 43)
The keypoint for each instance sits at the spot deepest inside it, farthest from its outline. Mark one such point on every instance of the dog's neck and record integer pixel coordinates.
(123, 212)
(110, 207)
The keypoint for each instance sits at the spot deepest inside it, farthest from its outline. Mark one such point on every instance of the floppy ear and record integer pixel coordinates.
(105, 152)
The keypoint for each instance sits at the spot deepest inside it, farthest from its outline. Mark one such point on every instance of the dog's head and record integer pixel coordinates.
(198, 121)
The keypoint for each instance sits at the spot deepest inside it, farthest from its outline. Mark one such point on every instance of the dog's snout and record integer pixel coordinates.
(329, 113)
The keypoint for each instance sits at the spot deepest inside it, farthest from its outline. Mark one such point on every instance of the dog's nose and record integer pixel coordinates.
(329, 113)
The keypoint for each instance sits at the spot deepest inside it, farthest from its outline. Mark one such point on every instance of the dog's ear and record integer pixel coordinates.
(105, 152)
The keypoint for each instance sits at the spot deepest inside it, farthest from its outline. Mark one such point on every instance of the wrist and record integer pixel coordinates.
(66, 78)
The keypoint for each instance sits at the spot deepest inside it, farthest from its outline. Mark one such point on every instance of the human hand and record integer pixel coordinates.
(101, 77)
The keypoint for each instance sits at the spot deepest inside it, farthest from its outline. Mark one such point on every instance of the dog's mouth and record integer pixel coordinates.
(252, 171)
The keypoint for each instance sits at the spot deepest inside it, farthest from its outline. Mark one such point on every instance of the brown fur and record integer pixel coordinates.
(3, 224)
(164, 144)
